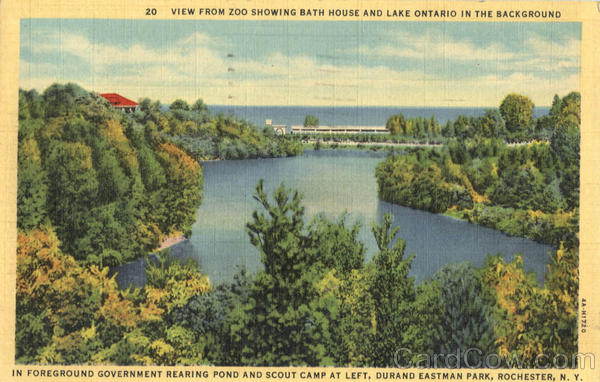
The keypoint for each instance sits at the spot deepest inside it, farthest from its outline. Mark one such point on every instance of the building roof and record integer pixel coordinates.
(118, 100)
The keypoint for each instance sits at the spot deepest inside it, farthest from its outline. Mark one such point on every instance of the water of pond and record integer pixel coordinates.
(332, 181)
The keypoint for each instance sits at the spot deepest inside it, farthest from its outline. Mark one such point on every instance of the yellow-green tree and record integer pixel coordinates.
(517, 111)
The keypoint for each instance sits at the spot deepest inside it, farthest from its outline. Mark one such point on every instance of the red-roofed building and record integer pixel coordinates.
(120, 102)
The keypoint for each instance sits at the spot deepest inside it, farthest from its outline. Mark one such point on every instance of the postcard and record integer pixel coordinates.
(322, 190)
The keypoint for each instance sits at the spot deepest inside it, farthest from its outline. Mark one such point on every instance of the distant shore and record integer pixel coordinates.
(389, 144)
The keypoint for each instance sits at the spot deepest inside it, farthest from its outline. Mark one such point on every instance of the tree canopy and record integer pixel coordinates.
(517, 111)
(98, 187)
(311, 121)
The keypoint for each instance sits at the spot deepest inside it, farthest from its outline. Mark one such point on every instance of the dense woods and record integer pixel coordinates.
(324, 308)
(215, 137)
(99, 187)
(529, 189)
(327, 307)
(513, 121)
(111, 188)
(330, 307)
(68, 313)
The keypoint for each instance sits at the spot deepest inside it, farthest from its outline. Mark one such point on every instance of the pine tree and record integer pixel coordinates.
(286, 321)
(393, 292)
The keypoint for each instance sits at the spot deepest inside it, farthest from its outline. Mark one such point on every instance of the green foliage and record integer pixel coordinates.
(530, 190)
(481, 174)
(396, 124)
(337, 244)
(570, 110)
(560, 304)
(311, 121)
(517, 298)
(555, 109)
(63, 310)
(533, 320)
(413, 127)
(32, 190)
(70, 314)
(211, 316)
(458, 152)
(286, 320)
(491, 125)
(105, 187)
(199, 105)
(462, 127)
(512, 121)
(60, 99)
(354, 331)
(392, 292)
(30, 105)
(111, 188)
(420, 183)
(179, 104)
(524, 190)
(565, 146)
(465, 318)
(517, 111)
(316, 303)
(73, 189)
(231, 138)
(521, 187)
(183, 192)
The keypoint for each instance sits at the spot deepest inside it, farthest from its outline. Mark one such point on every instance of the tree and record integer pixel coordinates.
(569, 186)
(560, 304)
(353, 333)
(311, 121)
(32, 191)
(393, 293)
(565, 144)
(462, 127)
(95, 181)
(448, 130)
(517, 111)
(30, 105)
(555, 109)
(199, 106)
(458, 152)
(491, 124)
(465, 318)
(286, 321)
(520, 187)
(65, 312)
(72, 191)
(60, 99)
(179, 104)
(570, 111)
(183, 192)
(396, 124)
(337, 244)
(210, 317)
(516, 312)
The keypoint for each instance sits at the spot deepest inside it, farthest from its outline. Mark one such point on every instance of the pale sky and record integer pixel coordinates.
(342, 63)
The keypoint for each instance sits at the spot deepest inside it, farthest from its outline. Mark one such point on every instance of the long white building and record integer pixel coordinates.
(285, 129)
(339, 129)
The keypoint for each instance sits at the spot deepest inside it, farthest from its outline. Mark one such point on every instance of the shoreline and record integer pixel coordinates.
(388, 144)
(169, 242)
